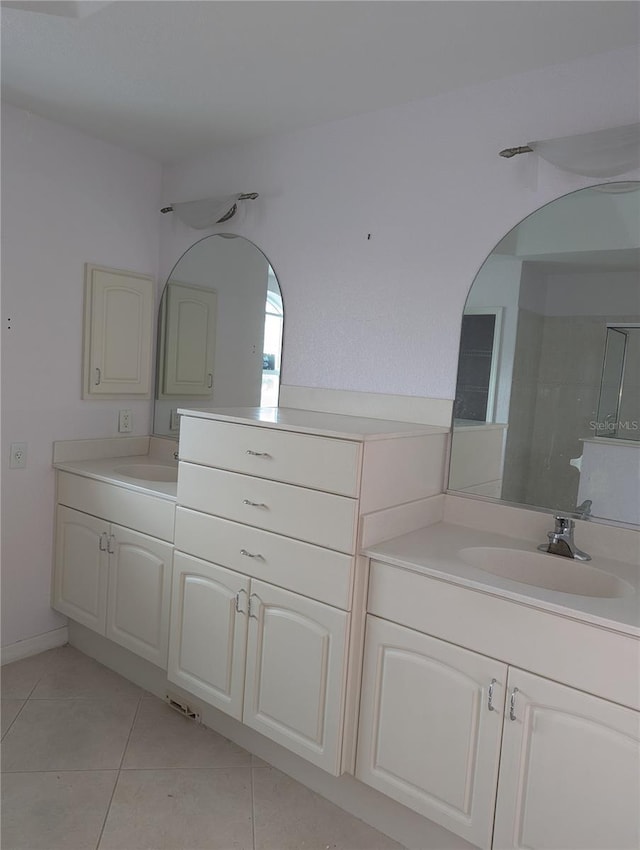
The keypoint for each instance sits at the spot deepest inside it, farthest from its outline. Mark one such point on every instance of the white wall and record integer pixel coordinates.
(425, 180)
(67, 199)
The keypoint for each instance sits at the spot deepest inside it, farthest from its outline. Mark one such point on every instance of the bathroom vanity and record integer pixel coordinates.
(482, 694)
(306, 579)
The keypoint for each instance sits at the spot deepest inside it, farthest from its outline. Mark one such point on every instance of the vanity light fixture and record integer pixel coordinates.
(604, 153)
(208, 211)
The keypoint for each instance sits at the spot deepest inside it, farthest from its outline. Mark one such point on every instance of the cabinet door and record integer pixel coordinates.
(427, 737)
(139, 593)
(295, 673)
(190, 338)
(208, 635)
(570, 770)
(118, 333)
(81, 568)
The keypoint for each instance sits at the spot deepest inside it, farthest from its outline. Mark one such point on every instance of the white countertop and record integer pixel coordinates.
(314, 422)
(434, 551)
(106, 469)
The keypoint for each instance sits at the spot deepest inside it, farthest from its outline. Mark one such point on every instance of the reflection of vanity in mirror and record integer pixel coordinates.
(219, 331)
(547, 408)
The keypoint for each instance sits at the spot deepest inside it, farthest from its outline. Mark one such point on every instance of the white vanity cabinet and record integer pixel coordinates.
(560, 768)
(265, 622)
(569, 770)
(208, 646)
(268, 657)
(110, 578)
(430, 727)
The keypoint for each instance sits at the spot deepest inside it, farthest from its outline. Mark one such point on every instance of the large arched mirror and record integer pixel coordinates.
(547, 407)
(219, 331)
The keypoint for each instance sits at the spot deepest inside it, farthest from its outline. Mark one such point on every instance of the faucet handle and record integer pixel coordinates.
(563, 524)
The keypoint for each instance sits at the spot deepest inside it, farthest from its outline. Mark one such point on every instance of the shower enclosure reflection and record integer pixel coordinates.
(620, 385)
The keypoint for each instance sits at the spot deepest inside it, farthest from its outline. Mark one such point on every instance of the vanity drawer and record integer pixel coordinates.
(321, 463)
(321, 518)
(117, 504)
(310, 570)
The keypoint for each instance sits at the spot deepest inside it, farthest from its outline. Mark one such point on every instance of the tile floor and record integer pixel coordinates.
(90, 761)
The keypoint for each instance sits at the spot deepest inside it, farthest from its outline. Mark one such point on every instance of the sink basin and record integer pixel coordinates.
(552, 572)
(148, 471)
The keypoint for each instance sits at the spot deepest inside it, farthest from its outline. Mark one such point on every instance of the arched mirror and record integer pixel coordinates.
(219, 331)
(547, 407)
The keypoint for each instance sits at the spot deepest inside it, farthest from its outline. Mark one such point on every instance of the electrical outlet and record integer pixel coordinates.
(18, 456)
(125, 422)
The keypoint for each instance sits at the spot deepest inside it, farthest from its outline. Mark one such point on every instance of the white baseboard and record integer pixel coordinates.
(34, 645)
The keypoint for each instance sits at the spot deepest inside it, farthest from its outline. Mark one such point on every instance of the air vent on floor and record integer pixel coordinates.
(182, 707)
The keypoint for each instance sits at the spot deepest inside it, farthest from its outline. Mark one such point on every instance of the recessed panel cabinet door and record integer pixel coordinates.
(118, 333)
(81, 568)
(295, 673)
(570, 770)
(139, 593)
(430, 728)
(190, 338)
(208, 632)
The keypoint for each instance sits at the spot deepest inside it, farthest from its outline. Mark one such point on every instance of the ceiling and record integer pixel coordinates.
(175, 78)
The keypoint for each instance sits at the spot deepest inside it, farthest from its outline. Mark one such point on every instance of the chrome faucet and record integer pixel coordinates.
(561, 541)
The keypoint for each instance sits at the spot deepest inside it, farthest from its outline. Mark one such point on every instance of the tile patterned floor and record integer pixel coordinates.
(91, 762)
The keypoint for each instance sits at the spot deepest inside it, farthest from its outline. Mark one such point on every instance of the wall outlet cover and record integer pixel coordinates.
(125, 422)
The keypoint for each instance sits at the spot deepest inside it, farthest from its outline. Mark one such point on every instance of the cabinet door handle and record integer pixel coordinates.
(248, 554)
(258, 454)
(251, 598)
(512, 705)
(490, 705)
(254, 504)
(238, 609)
(102, 545)
(98, 376)
(210, 380)
(110, 540)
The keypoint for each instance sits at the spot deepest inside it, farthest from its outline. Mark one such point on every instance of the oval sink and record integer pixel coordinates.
(148, 471)
(552, 572)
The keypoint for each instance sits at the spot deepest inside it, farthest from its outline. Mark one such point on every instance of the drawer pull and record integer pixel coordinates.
(490, 705)
(255, 504)
(102, 544)
(512, 705)
(248, 554)
(258, 454)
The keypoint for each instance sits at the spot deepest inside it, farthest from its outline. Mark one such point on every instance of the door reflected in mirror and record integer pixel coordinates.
(547, 407)
(220, 327)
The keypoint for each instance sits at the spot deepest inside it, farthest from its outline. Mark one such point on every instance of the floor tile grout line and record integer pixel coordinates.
(115, 784)
(7, 730)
